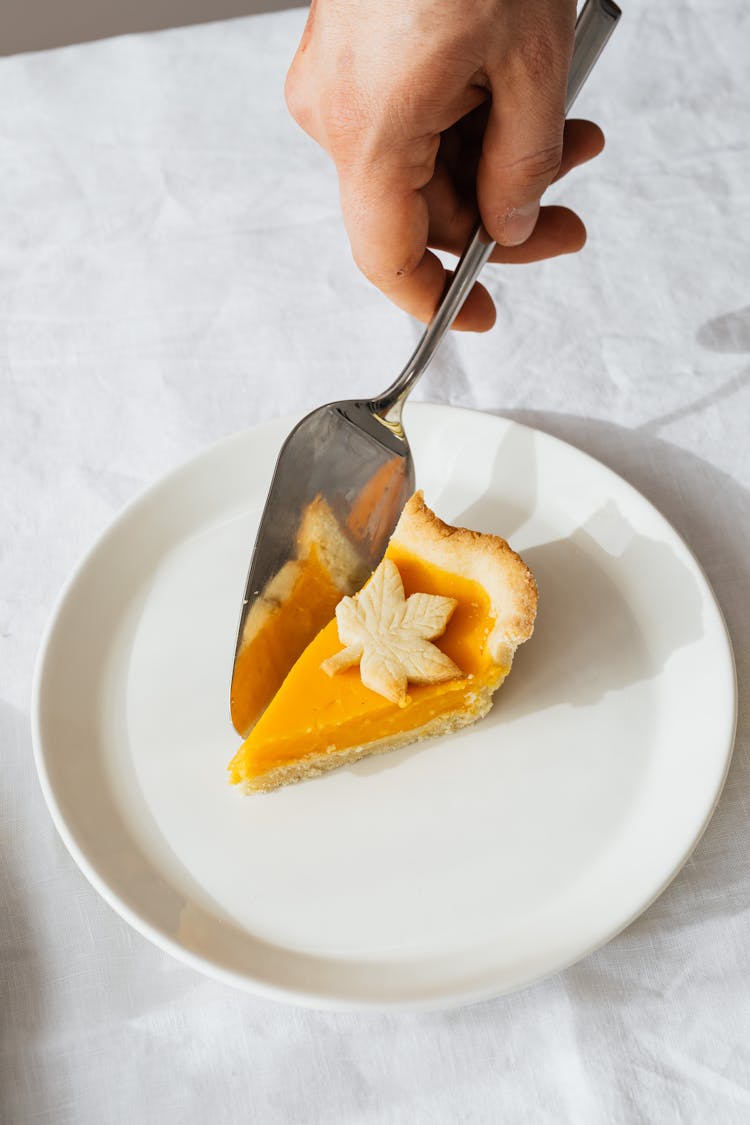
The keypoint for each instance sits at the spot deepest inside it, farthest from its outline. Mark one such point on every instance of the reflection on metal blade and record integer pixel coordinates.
(340, 483)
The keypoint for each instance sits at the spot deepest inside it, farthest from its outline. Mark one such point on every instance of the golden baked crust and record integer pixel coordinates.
(487, 559)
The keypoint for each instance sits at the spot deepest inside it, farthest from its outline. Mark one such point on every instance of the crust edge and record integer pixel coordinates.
(486, 558)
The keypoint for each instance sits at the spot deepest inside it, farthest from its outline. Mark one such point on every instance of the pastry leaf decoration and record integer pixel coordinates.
(389, 636)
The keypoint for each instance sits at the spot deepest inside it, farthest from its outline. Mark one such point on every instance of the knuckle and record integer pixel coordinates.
(542, 52)
(539, 167)
(538, 55)
(296, 97)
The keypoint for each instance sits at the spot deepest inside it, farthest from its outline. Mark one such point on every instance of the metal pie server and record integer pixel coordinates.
(354, 454)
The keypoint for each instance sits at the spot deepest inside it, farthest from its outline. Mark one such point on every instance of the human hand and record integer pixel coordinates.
(431, 109)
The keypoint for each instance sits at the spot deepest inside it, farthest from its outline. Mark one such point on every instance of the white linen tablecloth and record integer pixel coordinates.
(173, 267)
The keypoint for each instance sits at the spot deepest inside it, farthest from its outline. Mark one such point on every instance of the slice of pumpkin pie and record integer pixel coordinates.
(419, 652)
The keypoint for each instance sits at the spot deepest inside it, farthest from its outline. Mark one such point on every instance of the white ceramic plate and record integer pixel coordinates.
(436, 875)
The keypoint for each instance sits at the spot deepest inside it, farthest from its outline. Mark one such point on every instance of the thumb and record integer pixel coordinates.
(521, 149)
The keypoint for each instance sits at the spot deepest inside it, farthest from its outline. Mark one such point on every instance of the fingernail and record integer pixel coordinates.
(518, 223)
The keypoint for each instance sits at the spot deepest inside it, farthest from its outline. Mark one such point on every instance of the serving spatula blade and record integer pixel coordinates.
(360, 467)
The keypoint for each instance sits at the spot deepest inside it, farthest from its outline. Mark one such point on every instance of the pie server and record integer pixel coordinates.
(354, 454)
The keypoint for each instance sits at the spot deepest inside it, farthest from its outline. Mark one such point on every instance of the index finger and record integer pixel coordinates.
(387, 220)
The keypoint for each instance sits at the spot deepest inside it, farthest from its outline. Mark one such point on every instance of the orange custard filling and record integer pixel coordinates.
(264, 660)
(316, 713)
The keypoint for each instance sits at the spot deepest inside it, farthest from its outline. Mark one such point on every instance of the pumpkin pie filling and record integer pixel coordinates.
(316, 713)
(319, 720)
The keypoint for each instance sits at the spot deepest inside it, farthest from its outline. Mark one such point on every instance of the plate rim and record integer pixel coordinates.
(312, 998)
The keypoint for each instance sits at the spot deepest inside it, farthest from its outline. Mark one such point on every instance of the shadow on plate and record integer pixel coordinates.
(711, 510)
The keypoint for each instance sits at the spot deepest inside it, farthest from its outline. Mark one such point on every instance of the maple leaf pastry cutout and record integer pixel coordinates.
(389, 636)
